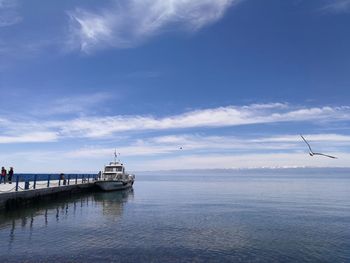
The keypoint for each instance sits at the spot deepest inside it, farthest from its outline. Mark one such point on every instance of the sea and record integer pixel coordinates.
(261, 215)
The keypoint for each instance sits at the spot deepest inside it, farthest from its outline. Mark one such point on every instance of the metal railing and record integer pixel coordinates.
(51, 180)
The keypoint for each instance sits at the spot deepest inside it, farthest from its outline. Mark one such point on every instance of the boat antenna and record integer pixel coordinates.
(116, 155)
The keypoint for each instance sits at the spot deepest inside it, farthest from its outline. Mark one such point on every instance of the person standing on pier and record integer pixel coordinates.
(3, 175)
(10, 175)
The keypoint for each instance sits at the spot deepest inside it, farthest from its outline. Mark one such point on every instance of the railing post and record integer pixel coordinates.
(48, 180)
(83, 178)
(26, 183)
(76, 179)
(34, 184)
(17, 179)
(88, 178)
(68, 178)
(59, 180)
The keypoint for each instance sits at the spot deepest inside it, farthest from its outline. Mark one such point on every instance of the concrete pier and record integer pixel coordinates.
(10, 198)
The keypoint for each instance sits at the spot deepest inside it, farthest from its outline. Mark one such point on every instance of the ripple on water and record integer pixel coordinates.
(172, 221)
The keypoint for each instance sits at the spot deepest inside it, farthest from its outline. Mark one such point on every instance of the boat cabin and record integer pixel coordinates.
(114, 167)
(113, 171)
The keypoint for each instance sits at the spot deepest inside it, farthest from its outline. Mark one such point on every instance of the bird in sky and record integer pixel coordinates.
(312, 153)
(180, 148)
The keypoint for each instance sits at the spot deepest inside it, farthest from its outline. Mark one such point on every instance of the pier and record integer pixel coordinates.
(24, 190)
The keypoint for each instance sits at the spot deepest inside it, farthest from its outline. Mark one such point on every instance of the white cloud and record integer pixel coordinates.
(206, 145)
(216, 117)
(56, 162)
(338, 5)
(106, 126)
(81, 104)
(263, 160)
(130, 22)
(30, 138)
(310, 137)
(8, 13)
(199, 152)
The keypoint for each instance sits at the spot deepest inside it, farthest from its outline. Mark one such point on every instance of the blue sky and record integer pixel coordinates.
(233, 82)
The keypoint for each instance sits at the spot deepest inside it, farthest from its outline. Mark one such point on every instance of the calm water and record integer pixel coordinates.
(232, 218)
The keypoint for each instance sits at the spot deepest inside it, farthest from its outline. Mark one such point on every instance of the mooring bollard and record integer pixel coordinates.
(48, 180)
(34, 184)
(17, 179)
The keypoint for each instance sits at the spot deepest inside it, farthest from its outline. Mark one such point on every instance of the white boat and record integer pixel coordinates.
(114, 177)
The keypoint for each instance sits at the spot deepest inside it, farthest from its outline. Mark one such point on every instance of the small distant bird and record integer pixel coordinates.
(313, 153)
(180, 148)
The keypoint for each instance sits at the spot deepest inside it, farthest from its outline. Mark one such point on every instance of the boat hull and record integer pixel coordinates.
(113, 185)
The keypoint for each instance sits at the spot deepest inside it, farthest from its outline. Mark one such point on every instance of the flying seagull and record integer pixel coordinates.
(313, 153)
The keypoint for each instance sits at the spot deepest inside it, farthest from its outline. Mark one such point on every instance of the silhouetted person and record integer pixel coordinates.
(99, 175)
(63, 178)
(10, 175)
(3, 175)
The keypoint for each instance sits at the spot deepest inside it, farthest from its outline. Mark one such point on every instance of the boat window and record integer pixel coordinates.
(114, 169)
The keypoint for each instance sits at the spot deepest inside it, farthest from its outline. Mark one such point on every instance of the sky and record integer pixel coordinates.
(231, 82)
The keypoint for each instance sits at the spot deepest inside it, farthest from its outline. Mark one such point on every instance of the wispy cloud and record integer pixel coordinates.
(249, 160)
(337, 5)
(76, 105)
(128, 23)
(200, 152)
(60, 161)
(330, 138)
(192, 143)
(216, 117)
(106, 126)
(8, 13)
(34, 137)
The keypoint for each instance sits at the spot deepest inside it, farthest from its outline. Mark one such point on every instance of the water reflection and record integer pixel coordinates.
(237, 220)
(112, 205)
(47, 213)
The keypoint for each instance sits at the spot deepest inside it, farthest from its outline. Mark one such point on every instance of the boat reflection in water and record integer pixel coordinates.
(59, 218)
(113, 203)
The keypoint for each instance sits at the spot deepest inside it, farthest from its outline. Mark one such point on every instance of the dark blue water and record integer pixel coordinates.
(253, 217)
